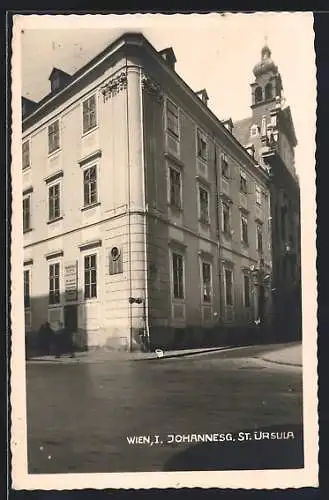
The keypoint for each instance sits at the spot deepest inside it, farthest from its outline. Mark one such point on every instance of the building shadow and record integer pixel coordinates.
(255, 454)
(38, 311)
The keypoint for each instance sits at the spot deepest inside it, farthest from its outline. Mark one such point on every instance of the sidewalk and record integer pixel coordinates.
(288, 355)
(103, 355)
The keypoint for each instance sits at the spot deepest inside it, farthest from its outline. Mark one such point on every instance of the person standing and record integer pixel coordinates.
(45, 336)
(64, 341)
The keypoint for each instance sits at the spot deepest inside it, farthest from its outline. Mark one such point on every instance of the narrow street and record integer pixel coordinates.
(82, 415)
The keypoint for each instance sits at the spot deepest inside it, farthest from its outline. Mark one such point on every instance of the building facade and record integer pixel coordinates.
(145, 221)
(270, 133)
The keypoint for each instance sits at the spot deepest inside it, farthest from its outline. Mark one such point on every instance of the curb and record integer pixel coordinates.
(152, 357)
(283, 363)
(186, 354)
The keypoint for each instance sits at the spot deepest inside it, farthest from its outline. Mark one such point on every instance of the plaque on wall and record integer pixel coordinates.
(71, 281)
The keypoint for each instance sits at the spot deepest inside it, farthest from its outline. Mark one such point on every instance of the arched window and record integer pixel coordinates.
(258, 94)
(268, 91)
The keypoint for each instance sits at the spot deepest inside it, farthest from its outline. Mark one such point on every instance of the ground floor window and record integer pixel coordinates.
(178, 273)
(206, 282)
(90, 266)
(246, 290)
(27, 293)
(54, 291)
(228, 287)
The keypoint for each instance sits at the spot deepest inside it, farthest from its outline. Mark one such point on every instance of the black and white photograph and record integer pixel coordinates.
(163, 265)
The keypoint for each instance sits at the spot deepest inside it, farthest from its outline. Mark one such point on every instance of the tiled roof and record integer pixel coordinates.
(241, 130)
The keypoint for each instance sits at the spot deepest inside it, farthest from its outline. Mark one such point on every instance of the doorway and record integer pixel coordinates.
(71, 318)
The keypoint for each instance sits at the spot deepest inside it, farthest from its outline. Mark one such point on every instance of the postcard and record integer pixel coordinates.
(163, 301)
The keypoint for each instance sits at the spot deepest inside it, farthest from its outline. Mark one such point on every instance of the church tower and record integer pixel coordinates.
(266, 90)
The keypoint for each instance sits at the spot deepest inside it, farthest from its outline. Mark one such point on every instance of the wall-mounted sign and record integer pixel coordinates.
(71, 281)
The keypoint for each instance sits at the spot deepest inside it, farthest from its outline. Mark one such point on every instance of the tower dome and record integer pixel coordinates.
(266, 64)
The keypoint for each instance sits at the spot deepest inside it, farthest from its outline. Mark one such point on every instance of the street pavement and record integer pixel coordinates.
(80, 415)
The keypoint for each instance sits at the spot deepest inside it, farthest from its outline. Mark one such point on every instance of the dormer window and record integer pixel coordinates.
(58, 79)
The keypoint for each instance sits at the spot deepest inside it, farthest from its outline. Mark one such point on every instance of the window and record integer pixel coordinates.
(268, 91)
(264, 127)
(258, 195)
(204, 205)
(175, 187)
(246, 290)
(177, 262)
(226, 218)
(225, 167)
(26, 154)
(254, 130)
(202, 146)
(89, 114)
(27, 299)
(244, 229)
(54, 201)
(243, 183)
(172, 118)
(54, 296)
(90, 186)
(228, 287)
(206, 282)
(259, 238)
(283, 222)
(90, 277)
(26, 213)
(53, 137)
(258, 94)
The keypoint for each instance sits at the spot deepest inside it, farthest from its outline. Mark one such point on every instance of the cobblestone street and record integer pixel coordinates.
(81, 414)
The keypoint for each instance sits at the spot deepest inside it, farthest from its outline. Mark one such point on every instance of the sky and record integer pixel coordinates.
(216, 52)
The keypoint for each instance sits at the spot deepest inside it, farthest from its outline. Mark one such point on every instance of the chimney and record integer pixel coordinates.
(58, 79)
(202, 94)
(168, 55)
(228, 124)
(28, 106)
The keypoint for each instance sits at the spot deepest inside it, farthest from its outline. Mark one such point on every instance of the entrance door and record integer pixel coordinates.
(71, 318)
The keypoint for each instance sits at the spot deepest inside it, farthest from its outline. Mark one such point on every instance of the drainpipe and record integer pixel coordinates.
(218, 230)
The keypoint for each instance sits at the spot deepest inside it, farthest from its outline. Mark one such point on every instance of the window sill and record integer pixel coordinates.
(55, 220)
(53, 306)
(175, 208)
(87, 132)
(227, 235)
(90, 299)
(53, 153)
(93, 205)
(26, 168)
(244, 244)
(28, 230)
(204, 222)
